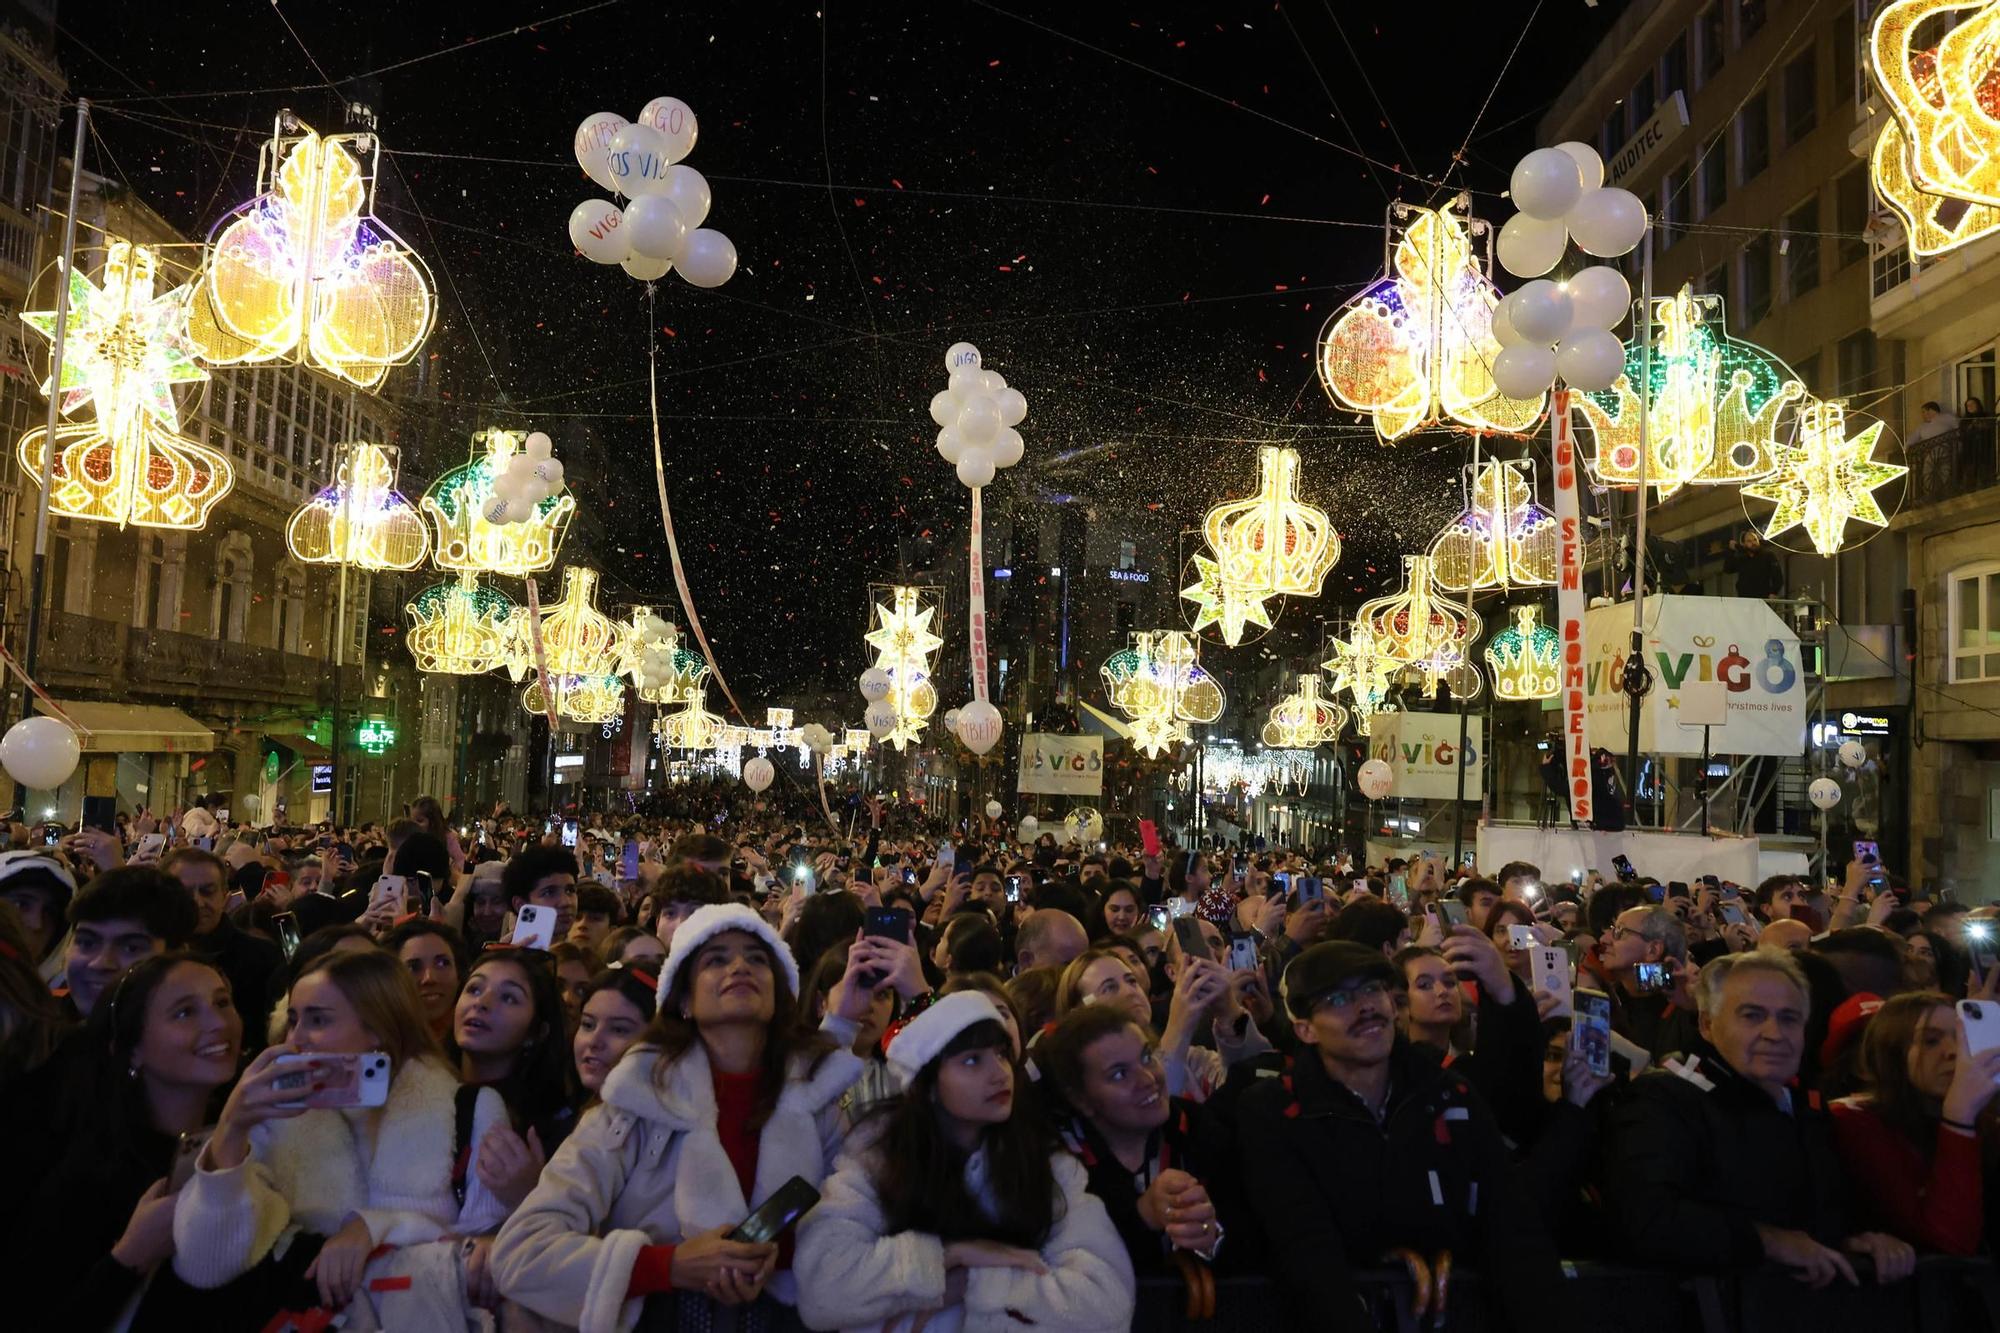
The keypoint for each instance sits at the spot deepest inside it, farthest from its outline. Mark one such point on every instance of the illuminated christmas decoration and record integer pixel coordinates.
(1715, 404)
(1270, 544)
(1302, 719)
(362, 519)
(1525, 658)
(1504, 539)
(1825, 478)
(691, 727)
(1936, 161)
(855, 740)
(456, 505)
(577, 638)
(460, 628)
(305, 272)
(1416, 625)
(903, 644)
(124, 351)
(1360, 667)
(591, 699)
(1416, 349)
(1159, 683)
(685, 675)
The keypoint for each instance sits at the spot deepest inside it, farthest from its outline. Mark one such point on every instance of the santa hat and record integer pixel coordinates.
(716, 919)
(926, 1035)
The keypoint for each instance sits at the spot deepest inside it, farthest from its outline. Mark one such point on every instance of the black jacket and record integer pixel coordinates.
(1758, 574)
(1691, 1172)
(1335, 1191)
(1654, 1022)
(58, 1262)
(249, 962)
(1190, 1141)
(1505, 1064)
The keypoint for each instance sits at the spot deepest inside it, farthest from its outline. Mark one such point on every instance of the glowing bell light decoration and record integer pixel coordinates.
(903, 644)
(456, 506)
(577, 638)
(1364, 671)
(1302, 719)
(1503, 539)
(1416, 349)
(125, 350)
(362, 519)
(1825, 478)
(459, 628)
(1271, 544)
(306, 272)
(1936, 161)
(1525, 658)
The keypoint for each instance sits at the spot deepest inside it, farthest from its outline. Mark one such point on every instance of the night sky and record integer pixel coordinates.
(1142, 214)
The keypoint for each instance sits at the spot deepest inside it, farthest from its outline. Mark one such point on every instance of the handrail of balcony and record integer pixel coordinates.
(1957, 461)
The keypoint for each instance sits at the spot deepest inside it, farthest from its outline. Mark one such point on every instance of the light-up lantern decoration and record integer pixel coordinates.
(1159, 684)
(1715, 404)
(577, 638)
(456, 506)
(1936, 161)
(1271, 544)
(1825, 478)
(306, 273)
(460, 628)
(591, 699)
(1525, 658)
(1364, 671)
(646, 641)
(690, 727)
(903, 644)
(855, 740)
(1504, 540)
(1302, 719)
(125, 350)
(362, 519)
(1416, 349)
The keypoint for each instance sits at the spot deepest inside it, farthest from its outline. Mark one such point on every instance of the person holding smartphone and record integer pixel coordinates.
(1645, 956)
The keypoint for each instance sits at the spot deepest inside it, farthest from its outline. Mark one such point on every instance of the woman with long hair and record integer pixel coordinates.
(1117, 912)
(725, 1099)
(508, 1034)
(31, 1021)
(616, 1010)
(953, 1203)
(1919, 1137)
(427, 814)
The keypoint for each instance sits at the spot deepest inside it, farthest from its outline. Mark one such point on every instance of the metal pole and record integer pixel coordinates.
(1458, 800)
(340, 650)
(1635, 664)
(39, 569)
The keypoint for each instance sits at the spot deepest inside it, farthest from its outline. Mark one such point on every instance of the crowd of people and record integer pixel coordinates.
(721, 1067)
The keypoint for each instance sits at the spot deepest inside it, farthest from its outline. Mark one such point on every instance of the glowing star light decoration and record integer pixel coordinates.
(305, 272)
(459, 628)
(903, 644)
(1364, 671)
(457, 503)
(1271, 544)
(1416, 349)
(1715, 404)
(1826, 478)
(362, 519)
(124, 351)
(1503, 540)
(1936, 161)
(1158, 682)
(1525, 658)
(1302, 719)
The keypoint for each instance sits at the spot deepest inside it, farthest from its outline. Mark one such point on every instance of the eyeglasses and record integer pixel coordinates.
(1347, 995)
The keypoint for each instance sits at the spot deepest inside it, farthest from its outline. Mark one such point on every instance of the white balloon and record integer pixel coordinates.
(949, 446)
(979, 422)
(656, 627)
(597, 230)
(880, 720)
(1524, 372)
(1529, 247)
(1589, 166)
(520, 511)
(550, 471)
(1853, 753)
(1029, 828)
(1824, 793)
(637, 161)
(593, 136)
(688, 189)
(1540, 312)
(975, 467)
(538, 445)
(958, 357)
(535, 490)
(757, 773)
(1545, 184)
(964, 383)
(944, 407)
(992, 381)
(1607, 222)
(1013, 407)
(655, 226)
(1504, 331)
(979, 726)
(951, 720)
(1008, 448)
(875, 684)
(675, 121)
(1374, 778)
(1590, 359)
(708, 259)
(1600, 297)
(646, 270)
(495, 508)
(993, 809)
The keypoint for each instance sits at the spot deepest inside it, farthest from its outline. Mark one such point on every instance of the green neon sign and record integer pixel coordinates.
(375, 736)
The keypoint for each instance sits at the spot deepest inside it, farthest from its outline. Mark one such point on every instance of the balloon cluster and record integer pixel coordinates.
(816, 737)
(528, 480)
(660, 228)
(1550, 328)
(655, 669)
(976, 416)
(880, 719)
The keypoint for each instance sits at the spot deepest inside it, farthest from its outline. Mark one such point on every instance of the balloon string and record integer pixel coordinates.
(976, 620)
(55, 709)
(667, 514)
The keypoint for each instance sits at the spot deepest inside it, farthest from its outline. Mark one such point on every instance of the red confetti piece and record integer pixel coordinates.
(1005, 268)
(669, 332)
(893, 181)
(1265, 200)
(861, 203)
(993, 64)
(1281, 286)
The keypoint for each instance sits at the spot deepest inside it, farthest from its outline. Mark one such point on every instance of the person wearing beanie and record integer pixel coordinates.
(724, 1100)
(40, 887)
(955, 1206)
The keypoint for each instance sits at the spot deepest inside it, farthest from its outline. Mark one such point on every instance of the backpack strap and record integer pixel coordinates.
(464, 1103)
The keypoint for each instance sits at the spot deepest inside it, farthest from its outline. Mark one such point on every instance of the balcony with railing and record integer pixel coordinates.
(84, 652)
(1952, 463)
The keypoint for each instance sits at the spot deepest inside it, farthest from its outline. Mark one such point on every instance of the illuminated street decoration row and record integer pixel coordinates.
(1936, 162)
(1270, 544)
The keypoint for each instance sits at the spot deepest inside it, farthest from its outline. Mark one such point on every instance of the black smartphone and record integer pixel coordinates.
(288, 932)
(1188, 931)
(1623, 865)
(1676, 889)
(888, 922)
(100, 812)
(776, 1214)
(1652, 978)
(1454, 913)
(1281, 882)
(1656, 893)
(52, 835)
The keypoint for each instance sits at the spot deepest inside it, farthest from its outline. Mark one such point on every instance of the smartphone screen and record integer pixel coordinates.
(1454, 912)
(1013, 888)
(1866, 851)
(288, 932)
(1590, 1030)
(1732, 913)
(1188, 931)
(1651, 977)
(1157, 915)
(888, 922)
(1242, 954)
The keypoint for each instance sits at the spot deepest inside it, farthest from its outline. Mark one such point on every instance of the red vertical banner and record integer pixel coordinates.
(1570, 606)
(976, 601)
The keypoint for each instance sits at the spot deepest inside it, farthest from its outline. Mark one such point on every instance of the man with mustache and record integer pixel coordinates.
(1369, 1150)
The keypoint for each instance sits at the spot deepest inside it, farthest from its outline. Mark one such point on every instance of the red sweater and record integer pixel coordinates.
(735, 1099)
(1934, 1204)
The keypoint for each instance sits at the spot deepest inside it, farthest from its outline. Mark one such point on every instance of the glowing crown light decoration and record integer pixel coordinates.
(362, 519)
(903, 642)
(456, 505)
(1417, 348)
(1271, 544)
(305, 272)
(1504, 539)
(1159, 684)
(577, 638)
(1714, 404)
(1825, 478)
(459, 628)
(1936, 162)
(1416, 624)
(1302, 719)
(590, 698)
(1525, 658)
(124, 351)
(689, 727)
(663, 671)
(1361, 668)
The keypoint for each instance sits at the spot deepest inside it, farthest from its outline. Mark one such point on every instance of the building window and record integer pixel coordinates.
(1841, 34)
(1674, 202)
(1850, 217)
(1128, 556)
(1674, 66)
(1749, 20)
(1715, 282)
(1611, 134)
(1808, 373)
(1640, 104)
(1801, 249)
(1975, 380)
(1857, 362)
(1714, 178)
(1801, 88)
(1756, 265)
(1711, 48)
(1128, 616)
(1753, 137)
(1975, 623)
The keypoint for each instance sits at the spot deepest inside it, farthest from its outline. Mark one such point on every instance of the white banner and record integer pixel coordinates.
(976, 602)
(1054, 765)
(1562, 852)
(1736, 641)
(1423, 753)
(1570, 608)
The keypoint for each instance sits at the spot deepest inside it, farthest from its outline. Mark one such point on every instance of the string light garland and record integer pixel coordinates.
(1525, 658)
(1302, 719)
(1826, 478)
(903, 644)
(1271, 544)
(1416, 349)
(1504, 539)
(456, 505)
(460, 628)
(1361, 668)
(362, 519)
(306, 272)
(1936, 161)
(125, 350)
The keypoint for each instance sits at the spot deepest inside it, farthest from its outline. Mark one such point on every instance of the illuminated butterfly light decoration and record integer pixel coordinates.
(1416, 349)
(306, 273)
(1936, 162)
